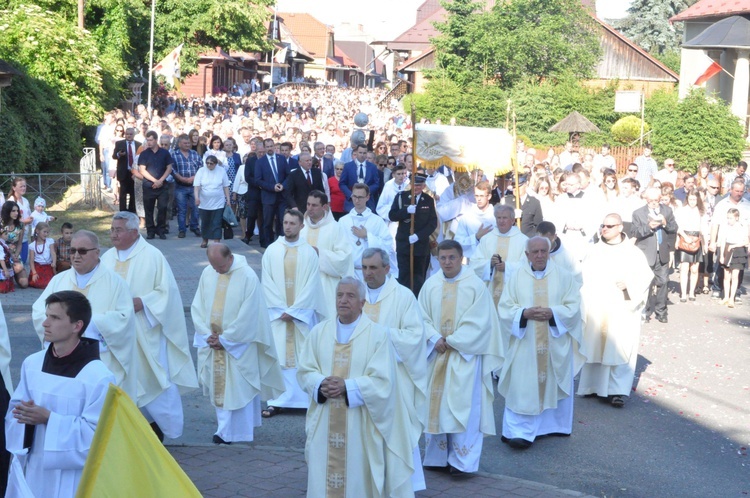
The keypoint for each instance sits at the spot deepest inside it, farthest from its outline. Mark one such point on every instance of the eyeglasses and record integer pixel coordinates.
(713, 186)
(359, 197)
(602, 226)
(82, 251)
(382, 164)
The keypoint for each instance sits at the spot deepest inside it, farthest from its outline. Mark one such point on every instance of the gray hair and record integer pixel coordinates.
(372, 251)
(504, 207)
(131, 219)
(355, 282)
(93, 238)
(534, 239)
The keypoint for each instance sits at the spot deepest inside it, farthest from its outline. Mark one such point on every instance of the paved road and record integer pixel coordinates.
(683, 433)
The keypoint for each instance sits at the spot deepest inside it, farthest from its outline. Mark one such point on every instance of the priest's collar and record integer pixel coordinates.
(296, 243)
(365, 213)
(344, 331)
(556, 246)
(510, 233)
(538, 274)
(458, 275)
(381, 287)
(124, 254)
(82, 280)
(328, 218)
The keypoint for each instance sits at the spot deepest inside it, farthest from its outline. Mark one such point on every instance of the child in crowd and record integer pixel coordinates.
(39, 215)
(43, 262)
(62, 247)
(6, 263)
(733, 242)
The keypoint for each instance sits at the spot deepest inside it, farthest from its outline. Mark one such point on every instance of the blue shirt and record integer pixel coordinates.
(186, 166)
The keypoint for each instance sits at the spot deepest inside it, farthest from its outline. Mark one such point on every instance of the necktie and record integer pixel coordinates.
(309, 178)
(361, 173)
(129, 146)
(272, 160)
(658, 232)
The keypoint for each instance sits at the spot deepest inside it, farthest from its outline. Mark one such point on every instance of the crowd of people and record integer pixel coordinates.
(391, 305)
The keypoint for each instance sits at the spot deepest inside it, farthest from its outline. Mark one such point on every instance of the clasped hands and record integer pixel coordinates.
(27, 412)
(538, 313)
(333, 387)
(441, 346)
(213, 342)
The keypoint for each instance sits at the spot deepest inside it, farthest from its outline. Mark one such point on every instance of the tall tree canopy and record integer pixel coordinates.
(515, 41)
(647, 24)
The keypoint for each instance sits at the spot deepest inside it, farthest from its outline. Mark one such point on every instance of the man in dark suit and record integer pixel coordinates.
(681, 193)
(326, 163)
(301, 181)
(125, 152)
(252, 197)
(360, 171)
(531, 209)
(270, 173)
(652, 226)
(425, 222)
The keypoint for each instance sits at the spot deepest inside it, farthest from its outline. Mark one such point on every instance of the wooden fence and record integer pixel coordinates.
(623, 155)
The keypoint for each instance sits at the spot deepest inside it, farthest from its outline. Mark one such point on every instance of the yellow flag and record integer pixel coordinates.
(169, 67)
(127, 459)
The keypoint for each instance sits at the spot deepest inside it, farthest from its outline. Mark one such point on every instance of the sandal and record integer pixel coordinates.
(204, 245)
(271, 411)
(617, 401)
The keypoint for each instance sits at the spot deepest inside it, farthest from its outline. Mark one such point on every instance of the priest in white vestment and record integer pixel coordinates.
(358, 440)
(541, 323)
(295, 304)
(576, 216)
(237, 363)
(498, 250)
(616, 280)
(476, 222)
(464, 347)
(391, 189)
(113, 321)
(365, 229)
(394, 306)
(166, 369)
(331, 242)
(55, 409)
(558, 253)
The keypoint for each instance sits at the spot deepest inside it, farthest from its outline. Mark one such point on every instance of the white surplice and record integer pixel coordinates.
(112, 321)
(232, 304)
(166, 368)
(468, 226)
(307, 309)
(378, 236)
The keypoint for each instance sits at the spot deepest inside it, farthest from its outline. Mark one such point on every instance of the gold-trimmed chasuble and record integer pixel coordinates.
(372, 311)
(447, 327)
(498, 278)
(290, 272)
(337, 422)
(312, 236)
(121, 268)
(216, 323)
(541, 334)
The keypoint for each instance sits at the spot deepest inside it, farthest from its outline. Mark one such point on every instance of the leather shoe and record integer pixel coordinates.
(150, 236)
(181, 235)
(162, 236)
(219, 440)
(444, 469)
(516, 443)
(459, 474)
(662, 319)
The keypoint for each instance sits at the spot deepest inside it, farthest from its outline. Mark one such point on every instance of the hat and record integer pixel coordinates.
(522, 179)
(40, 202)
(419, 179)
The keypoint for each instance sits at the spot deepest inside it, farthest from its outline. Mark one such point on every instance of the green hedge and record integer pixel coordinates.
(39, 129)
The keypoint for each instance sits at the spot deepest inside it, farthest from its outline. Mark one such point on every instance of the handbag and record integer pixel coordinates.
(689, 247)
(229, 217)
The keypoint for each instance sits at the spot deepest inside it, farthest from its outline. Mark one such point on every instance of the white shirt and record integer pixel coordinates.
(211, 183)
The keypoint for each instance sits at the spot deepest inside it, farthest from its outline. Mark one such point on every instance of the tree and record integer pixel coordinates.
(516, 41)
(647, 24)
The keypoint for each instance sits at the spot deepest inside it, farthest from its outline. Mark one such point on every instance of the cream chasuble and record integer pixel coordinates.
(150, 278)
(397, 309)
(348, 448)
(510, 246)
(228, 304)
(537, 372)
(458, 311)
(334, 255)
(113, 317)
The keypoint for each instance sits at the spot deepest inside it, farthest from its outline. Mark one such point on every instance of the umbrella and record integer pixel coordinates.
(575, 122)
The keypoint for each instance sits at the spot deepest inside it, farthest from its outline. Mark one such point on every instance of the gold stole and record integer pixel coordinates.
(216, 322)
(498, 278)
(337, 421)
(447, 327)
(290, 273)
(121, 268)
(372, 311)
(541, 333)
(312, 236)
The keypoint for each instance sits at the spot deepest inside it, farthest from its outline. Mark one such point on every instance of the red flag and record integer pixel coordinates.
(708, 73)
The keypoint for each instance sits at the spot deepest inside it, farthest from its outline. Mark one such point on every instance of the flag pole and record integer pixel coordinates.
(273, 41)
(514, 165)
(413, 182)
(151, 56)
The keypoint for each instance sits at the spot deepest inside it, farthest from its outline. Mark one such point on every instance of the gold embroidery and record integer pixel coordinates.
(312, 236)
(290, 273)
(372, 311)
(447, 324)
(498, 278)
(541, 334)
(337, 422)
(216, 323)
(121, 268)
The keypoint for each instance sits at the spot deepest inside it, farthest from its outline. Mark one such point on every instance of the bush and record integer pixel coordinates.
(628, 129)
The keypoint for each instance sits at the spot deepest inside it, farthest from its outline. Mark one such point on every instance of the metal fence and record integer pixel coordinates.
(65, 188)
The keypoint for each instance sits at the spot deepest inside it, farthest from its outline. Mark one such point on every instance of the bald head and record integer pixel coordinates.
(220, 257)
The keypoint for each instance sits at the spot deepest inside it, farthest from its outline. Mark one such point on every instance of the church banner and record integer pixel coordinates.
(465, 148)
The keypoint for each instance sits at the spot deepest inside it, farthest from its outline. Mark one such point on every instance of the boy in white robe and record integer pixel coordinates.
(357, 435)
(541, 324)
(464, 347)
(54, 411)
(477, 221)
(291, 286)
(237, 364)
(166, 368)
(332, 245)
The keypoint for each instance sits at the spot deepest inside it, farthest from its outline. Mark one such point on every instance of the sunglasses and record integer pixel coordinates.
(608, 226)
(633, 170)
(81, 250)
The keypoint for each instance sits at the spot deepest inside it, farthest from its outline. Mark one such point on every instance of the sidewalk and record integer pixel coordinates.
(243, 470)
(247, 470)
